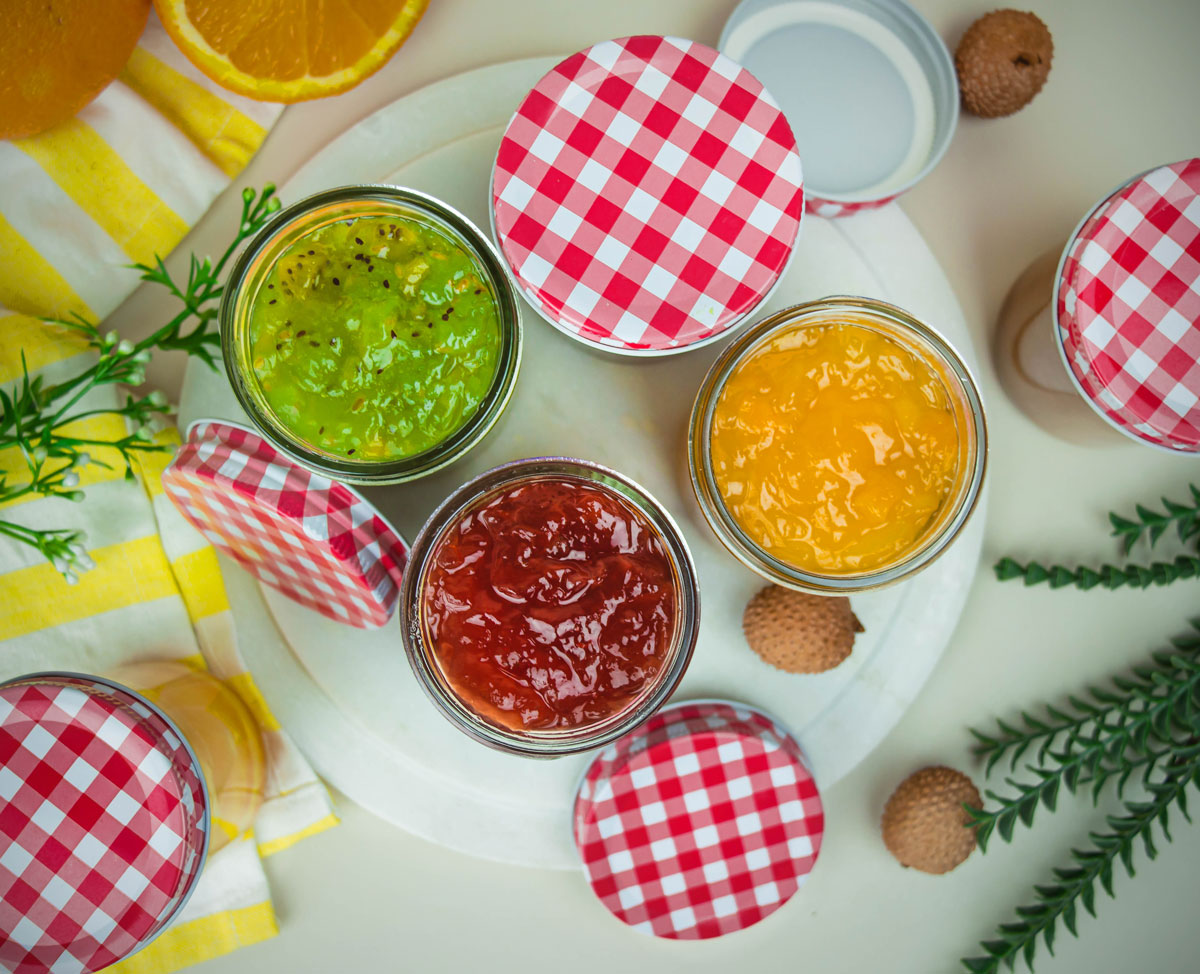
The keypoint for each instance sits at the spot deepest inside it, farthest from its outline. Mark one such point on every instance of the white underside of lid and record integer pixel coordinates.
(859, 102)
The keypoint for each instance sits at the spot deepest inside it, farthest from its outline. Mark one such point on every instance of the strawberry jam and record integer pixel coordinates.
(551, 605)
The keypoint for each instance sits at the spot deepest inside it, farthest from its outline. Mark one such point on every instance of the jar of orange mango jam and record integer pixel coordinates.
(838, 445)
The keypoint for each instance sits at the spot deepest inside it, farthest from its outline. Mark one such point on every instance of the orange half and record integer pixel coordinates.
(289, 50)
(57, 55)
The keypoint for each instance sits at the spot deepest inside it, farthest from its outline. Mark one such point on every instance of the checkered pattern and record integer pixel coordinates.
(700, 823)
(647, 194)
(1129, 307)
(831, 209)
(317, 541)
(103, 824)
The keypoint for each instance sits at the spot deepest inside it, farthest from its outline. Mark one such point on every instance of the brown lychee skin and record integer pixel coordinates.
(1002, 62)
(800, 633)
(924, 823)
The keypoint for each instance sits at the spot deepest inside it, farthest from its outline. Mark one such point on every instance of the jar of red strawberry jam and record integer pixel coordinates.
(550, 606)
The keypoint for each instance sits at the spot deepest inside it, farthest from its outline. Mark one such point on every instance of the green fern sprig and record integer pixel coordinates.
(1109, 576)
(1164, 689)
(1145, 727)
(1146, 523)
(35, 416)
(1153, 524)
(1077, 884)
(1111, 735)
(1094, 767)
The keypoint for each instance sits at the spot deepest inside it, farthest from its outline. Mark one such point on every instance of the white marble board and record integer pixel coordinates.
(347, 696)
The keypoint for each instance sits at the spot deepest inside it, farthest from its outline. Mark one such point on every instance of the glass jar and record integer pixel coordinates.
(105, 824)
(639, 510)
(965, 407)
(249, 278)
(1100, 338)
(1029, 365)
(221, 731)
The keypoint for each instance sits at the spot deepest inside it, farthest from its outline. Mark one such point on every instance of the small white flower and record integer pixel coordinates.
(110, 339)
(40, 454)
(60, 564)
(156, 398)
(70, 577)
(82, 461)
(83, 561)
(136, 377)
(74, 496)
(70, 479)
(145, 434)
(125, 347)
(79, 538)
(142, 357)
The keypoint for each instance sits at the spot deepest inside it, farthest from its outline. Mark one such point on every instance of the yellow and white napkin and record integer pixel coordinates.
(122, 182)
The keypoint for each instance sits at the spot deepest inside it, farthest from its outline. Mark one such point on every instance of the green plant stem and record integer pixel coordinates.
(1167, 685)
(1109, 735)
(1185, 517)
(1077, 884)
(33, 414)
(1110, 576)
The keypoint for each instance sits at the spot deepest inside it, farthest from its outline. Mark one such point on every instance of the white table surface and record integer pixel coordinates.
(1121, 98)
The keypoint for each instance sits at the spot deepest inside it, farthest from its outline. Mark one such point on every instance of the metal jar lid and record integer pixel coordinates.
(319, 542)
(1127, 304)
(703, 821)
(868, 87)
(647, 195)
(104, 823)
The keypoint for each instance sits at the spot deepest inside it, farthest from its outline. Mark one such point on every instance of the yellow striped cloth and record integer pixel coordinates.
(122, 182)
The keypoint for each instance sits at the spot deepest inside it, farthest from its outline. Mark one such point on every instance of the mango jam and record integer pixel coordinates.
(375, 338)
(833, 447)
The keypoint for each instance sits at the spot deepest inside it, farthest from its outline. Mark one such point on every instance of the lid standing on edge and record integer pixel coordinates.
(1127, 299)
(647, 195)
(103, 823)
(317, 541)
(703, 821)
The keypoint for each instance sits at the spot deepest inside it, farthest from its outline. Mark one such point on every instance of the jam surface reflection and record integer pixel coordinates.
(550, 606)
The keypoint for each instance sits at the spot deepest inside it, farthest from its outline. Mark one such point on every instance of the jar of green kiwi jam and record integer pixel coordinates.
(371, 333)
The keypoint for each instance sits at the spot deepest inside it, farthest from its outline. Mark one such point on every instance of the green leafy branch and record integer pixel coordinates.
(1111, 735)
(36, 417)
(1057, 901)
(1145, 523)
(1185, 517)
(1146, 727)
(1162, 690)
(1110, 576)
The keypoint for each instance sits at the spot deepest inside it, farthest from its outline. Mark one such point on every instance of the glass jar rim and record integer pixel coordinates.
(203, 824)
(572, 740)
(721, 520)
(250, 267)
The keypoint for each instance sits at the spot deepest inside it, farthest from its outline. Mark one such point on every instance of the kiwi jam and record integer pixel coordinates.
(375, 338)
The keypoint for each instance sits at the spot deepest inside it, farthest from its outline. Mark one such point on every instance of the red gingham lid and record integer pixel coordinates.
(1128, 304)
(315, 540)
(647, 194)
(703, 821)
(103, 824)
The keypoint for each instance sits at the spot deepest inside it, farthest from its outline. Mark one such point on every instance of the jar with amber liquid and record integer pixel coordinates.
(838, 446)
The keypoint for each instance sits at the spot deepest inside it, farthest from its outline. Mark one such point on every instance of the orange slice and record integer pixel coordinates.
(57, 55)
(289, 50)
